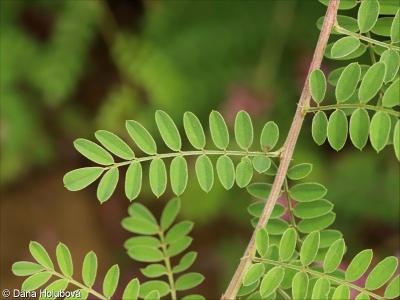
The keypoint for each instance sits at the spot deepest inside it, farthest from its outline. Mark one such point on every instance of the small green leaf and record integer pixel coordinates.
(35, 281)
(318, 223)
(141, 137)
(186, 262)
(359, 265)
(382, 26)
(243, 130)
(345, 46)
(138, 210)
(317, 85)
(253, 274)
(178, 246)
(300, 286)
(319, 128)
(168, 130)
(55, 286)
(391, 97)
(153, 295)
(255, 209)
(334, 256)
(306, 192)
(78, 179)
(219, 131)
(64, 260)
(261, 163)
(170, 212)
(194, 130)
(287, 244)
(388, 7)
(347, 82)
(188, 281)
(142, 241)
(380, 129)
(40, 255)
(145, 254)
(391, 59)
(259, 189)
(299, 171)
(394, 30)
(359, 128)
(272, 170)
(341, 292)
(262, 241)
(24, 268)
(289, 274)
(337, 129)
(139, 225)
(93, 152)
(89, 269)
(269, 136)
(309, 248)
(334, 76)
(393, 289)
(131, 291)
(154, 285)
(362, 296)
(245, 290)
(372, 82)
(107, 184)
(396, 140)
(114, 144)
(321, 289)
(367, 15)
(178, 230)
(226, 171)
(276, 226)
(204, 172)
(354, 54)
(271, 281)
(344, 4)
(193, 297)
(244, 172)
(328, 237)
(308, 210)
(381, 273)
(133, 180)
(158, 177)
(178, 175)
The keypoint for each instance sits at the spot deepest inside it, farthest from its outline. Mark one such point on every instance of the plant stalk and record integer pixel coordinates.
(288, 149)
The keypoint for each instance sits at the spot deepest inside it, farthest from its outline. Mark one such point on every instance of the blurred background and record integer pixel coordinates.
(69, 68)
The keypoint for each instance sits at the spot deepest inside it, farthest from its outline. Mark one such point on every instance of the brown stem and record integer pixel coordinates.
(288, 149)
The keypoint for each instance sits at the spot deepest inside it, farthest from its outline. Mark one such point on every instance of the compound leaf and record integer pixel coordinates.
(381, 273)
(188, 281)
(244, 172)
(154, 285)
(141, 137)
(300, 286)
(168, 130)
(391, 97)
(253, 274)
(169, 213)
(243, 130)
(287, 244)
(309, 248)
(107, 184)
(367, 15)
(24, 268)
(35, 281)
(131, 291)
(380, 130)
(111, 281)
(133, 180)
(372, 82)
(78, 179)
(93, 152)
(334, 256)
(359, 265)
(158, 177)
(271, 281)
(269, 136)
(299, 171)
(204, 172)
(345, 46)
(178, 175)
(114, 144)
(359, 128)
(306, 192)
(194, 130)
(64, 260)
(226, 171)
(337, 129)
(319, 127)
(186, 262)
(219, 131)
(89, 269)
(40, 254)
(317, 85)
(347, 82)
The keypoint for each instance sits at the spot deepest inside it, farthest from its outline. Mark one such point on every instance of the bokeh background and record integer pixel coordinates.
(69, 68)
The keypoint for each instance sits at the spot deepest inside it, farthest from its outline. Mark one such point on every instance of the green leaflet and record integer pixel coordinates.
(308, 210)
(111, 281)
(381, 273)
(24, 268)
(344, 4)
(243, 130)
(359, 128)
(58, 285)
(318, 223)
(289, 274)
(347, 82)
(391, 59)
(188, 281)
(341, 292)
(317, 85)
(396, 140)
(64, 260)
(259, 189)
(78, 179)
(139, 225)
(194, 130)
(334, 76)
(319, 129)
(334, 256)
(345, 46)
(380, 130)
(93, 152)
(178, 246)
(204, 172)
(255, 209)
(168, 130)
(226, 171)
(219, 131)
(367, 15)
(35, 281)
(337, 129)
(142, 241)
(382, 26)
(287, 244)
(89, 269)
(388, 7)
(169, 213)
(245, 290)
(153, 295)
(185, 263)
(40, 254)
(133, 180)
(138, 210)
(271, 281)
(321, 289)
(354, 54)
(107, 184)
(262, 241)
(261, 163)
(299, 171)
(306, 192)
(145, 254)
(193, 297)
(372, 82)
(141, 137)
(178, 175)
(132, 290)
(244, 172)
(362, 296)
(300, 286)
(154, 285)
(391, 97)
(393, 289)
(269, 136)
(114, 144)
(328, 237)
(253, 274)
(309, 248)
(178, 231)
(276, 226)
(345, 22)
(158, 177)
(394, 30)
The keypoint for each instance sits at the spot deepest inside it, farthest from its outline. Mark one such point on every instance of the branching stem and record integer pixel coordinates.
(290, 143)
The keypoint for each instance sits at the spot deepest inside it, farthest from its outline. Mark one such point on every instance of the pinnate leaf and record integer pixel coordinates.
(317, 85)
(359, 127)
(345, 46)
(188, 281)
(114, 144)
(380, 130)
(359, 265)
(24, 268)
(178, 175)
(131, 291)
(35, 281)
(319, 128)
(141, 137)
(337, 129)
(64, 260)
(334, 256)
(287, 244)
(347, 82)
(309, 248)
(271, 281)
(168, 130)
(40, 255)
(219, 130)
(372, 82)
(194, 130)
(107, 184)
(243, 130)
(391, 97)
(133, 180)
(93, 152)
(269, 136)
(204, 172)
(381, 273)
(244, 172)
(226, 171)
(193, 297)
(169, 213)
(78, 179)
(158, 177)
(367, 15)
(253, 274)
(306, 192)
(89, 269)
